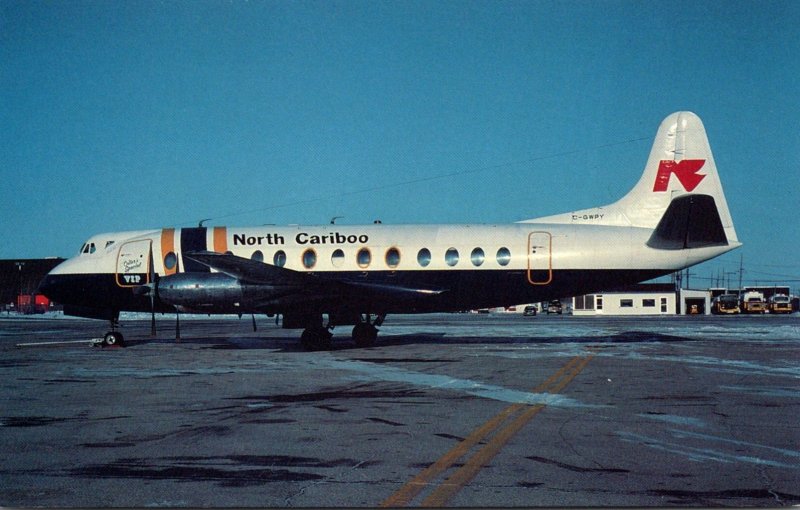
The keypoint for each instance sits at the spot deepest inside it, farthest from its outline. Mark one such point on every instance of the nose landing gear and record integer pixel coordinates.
(113, 338)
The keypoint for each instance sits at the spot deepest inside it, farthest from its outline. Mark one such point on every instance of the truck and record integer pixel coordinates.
(780, 303)
(725, 304)
(753, 302)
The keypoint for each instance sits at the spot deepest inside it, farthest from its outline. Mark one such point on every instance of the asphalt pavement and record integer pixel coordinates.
(446, 410)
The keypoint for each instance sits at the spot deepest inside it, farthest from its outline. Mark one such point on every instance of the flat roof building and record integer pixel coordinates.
(641, 299)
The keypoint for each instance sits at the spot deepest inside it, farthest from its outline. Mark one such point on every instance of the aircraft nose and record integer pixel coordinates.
(52, 287)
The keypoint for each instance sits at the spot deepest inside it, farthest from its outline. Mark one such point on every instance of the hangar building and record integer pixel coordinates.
(19, 279)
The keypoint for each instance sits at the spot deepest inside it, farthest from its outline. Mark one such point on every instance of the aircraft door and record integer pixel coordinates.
(133, 263)
(540, 258)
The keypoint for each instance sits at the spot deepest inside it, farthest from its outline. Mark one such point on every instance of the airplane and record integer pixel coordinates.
(320, 277)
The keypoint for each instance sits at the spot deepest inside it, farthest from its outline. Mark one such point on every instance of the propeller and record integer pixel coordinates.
(178, 310)
(152, 281)
(150, 289)
(177, 324)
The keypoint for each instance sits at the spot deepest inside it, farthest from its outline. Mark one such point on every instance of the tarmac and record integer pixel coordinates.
(446, 410)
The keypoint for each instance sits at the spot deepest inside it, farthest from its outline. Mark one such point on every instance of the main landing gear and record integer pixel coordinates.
(365, 332)
(317, 337)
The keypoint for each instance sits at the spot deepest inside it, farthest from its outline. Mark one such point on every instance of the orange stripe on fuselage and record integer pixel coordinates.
(168, 246)
(220, 239)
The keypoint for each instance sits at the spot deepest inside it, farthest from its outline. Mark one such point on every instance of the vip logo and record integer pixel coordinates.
(685, 171)
(132, 278)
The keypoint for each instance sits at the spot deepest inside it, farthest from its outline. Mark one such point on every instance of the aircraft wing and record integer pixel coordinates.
(250, 271)
(322, 285)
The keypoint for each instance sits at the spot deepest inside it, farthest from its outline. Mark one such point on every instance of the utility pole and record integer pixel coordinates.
(19, 265)
(728, 276)
(741, 270)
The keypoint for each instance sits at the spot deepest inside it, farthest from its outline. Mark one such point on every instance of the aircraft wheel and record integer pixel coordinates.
(364, 334)
(113, 338)
(316, 339)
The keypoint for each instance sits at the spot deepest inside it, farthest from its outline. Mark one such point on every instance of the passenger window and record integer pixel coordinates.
(337, 258)
(363, 258)
(279, 259)
(393, 257)
(503, 256)
(477, 257)
(170, 260)
(258, 256)
(451, 257)
(424, 257)
(309, 258)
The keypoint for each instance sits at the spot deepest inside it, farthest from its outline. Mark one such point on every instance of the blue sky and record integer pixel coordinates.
(131, 115)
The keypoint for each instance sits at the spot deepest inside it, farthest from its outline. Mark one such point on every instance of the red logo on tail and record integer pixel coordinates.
(685, 171)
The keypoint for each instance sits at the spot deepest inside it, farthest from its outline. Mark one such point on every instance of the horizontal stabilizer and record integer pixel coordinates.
(690, 221)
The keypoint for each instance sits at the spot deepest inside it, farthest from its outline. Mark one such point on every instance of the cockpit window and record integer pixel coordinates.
(109, 243)
(88, 248)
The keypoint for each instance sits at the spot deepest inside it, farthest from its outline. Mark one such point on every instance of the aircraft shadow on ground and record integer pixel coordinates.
(253, 341)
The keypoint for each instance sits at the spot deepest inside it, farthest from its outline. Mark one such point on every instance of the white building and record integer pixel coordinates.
(695, 302)
(644, 299)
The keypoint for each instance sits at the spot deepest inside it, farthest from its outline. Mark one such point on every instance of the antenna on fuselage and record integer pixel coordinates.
(333, 220)
(201, 222)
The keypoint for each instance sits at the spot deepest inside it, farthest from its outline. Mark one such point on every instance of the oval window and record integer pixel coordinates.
(309, 258)
(451, 257)
(477, 256)
(337, 258)
(257, 256)
(279, 259)
(363, 258)
(424, 257)
(170, 261)
(393, 257)
(503, 256)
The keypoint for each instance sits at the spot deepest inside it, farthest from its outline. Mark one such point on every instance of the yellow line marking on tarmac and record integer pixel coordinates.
(456, 482)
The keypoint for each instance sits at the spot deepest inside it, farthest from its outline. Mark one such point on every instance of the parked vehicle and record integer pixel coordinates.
(753, 302)
(725, 304)
(554, 307)
(529, 310)
(780, 303)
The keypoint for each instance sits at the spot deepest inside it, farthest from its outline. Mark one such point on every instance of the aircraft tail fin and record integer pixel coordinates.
(680, 164)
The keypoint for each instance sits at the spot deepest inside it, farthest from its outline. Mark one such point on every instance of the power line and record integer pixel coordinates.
(774, 274)
(425, 179)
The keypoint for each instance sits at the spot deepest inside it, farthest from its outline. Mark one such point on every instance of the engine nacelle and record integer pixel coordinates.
(202, 291)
